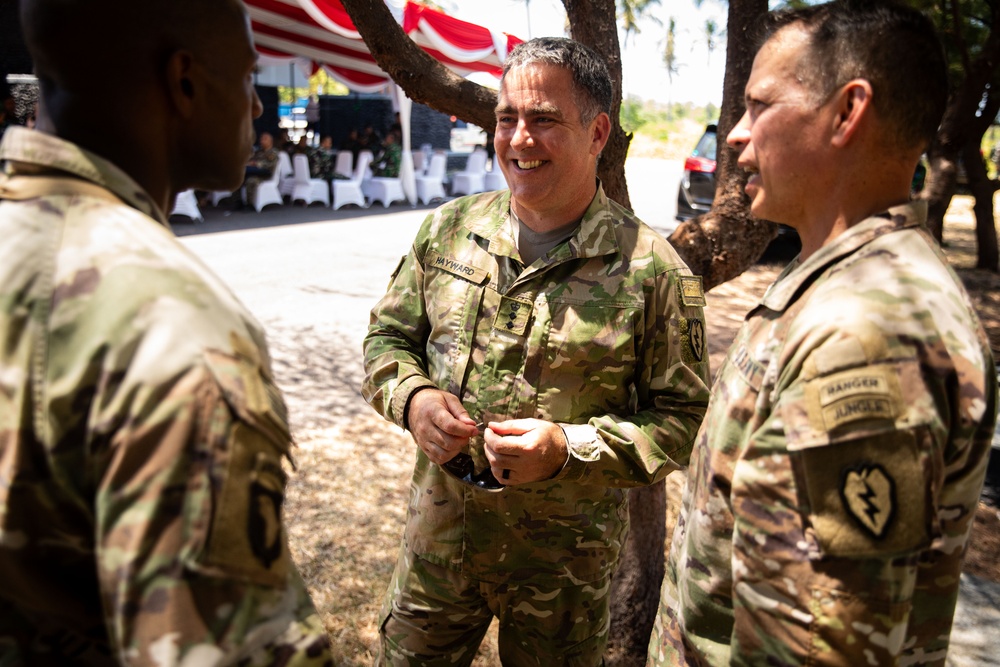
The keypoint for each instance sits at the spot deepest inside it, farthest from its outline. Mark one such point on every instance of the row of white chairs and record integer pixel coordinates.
(291, 178)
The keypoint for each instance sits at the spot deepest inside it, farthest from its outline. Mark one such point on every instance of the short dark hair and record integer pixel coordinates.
(592, 82)
(894, 48)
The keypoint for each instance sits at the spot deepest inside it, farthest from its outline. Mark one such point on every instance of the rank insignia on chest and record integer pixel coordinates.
(512, 315)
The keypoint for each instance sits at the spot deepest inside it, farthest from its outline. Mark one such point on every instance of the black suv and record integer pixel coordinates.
(697, 190)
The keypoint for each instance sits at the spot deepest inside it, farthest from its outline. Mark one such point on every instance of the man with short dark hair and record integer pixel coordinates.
(835, 479)
(546, 350)
(142, 437)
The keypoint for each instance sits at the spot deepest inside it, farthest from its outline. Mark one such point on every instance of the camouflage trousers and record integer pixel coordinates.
(435, 616)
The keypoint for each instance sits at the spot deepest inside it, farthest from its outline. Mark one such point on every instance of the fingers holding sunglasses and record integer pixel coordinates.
(439, 424)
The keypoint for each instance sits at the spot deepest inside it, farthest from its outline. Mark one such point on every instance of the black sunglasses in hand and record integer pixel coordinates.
(463, 468)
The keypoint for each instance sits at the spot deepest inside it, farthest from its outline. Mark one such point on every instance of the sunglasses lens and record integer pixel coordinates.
(462, 468)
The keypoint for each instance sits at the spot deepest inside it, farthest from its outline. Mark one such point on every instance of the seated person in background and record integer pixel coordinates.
(261, 166)
(324, 161)
(352, 143)
(302, 146)
(390, 159)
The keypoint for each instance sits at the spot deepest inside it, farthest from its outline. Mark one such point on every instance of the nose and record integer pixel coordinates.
(739, 136)
(256, 107)
(522, 136)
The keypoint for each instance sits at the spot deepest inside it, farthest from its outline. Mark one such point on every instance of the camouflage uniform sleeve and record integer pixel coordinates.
(854, 506)
(671, 385)
(193, 561)
(397, 335)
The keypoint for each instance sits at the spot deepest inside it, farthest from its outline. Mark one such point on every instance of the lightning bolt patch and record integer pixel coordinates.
(869, 494)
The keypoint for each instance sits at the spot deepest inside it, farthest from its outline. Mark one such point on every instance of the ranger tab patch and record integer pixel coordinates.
(865, 393)
(692, 292)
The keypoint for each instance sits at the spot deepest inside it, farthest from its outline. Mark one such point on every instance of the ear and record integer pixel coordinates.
(600, 132)
(182, 76)
(852, 106)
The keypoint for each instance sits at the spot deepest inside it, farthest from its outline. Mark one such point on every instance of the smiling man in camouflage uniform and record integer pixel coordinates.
(835, 480)
(141, 435)
(574, 335)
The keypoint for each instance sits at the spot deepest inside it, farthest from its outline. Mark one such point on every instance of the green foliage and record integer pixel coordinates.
(631, 115)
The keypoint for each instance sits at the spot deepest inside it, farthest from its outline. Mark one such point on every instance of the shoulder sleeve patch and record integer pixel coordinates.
(867, 496)
(692, 292)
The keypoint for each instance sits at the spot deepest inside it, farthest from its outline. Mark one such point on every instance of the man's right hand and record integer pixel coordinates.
(439, 424)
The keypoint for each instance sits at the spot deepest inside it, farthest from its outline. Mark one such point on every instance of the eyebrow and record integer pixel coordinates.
(538, 110)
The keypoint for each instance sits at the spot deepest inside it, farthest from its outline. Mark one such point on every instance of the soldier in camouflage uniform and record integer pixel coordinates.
(142, 438)
(261, 166)
(546, 350)
(835, 480)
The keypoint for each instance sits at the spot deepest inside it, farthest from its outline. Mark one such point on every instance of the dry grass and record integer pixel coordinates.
(347, 501)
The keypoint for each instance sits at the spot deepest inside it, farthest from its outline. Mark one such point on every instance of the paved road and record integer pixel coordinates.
(312, 275)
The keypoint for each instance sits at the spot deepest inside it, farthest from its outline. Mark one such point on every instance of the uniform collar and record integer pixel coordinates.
(797, 274)
(595, 237)
(24, 151)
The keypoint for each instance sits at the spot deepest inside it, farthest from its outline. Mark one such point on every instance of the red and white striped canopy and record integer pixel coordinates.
(319, 33)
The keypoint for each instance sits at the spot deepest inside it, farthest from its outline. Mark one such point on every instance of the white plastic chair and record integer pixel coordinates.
(286, 176)
(349, 192)
(309, 190)
(345, 163)
(385, 189)
(186, 204)
(431, 185)
(494, 178)
(219, 195)
(473, 178)
(268, 191)
(420, 162)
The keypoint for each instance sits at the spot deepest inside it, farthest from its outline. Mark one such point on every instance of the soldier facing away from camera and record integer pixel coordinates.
(141, 434)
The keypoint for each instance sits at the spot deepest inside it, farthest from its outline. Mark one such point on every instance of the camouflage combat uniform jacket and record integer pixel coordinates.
(836, 477)
(141, 437)
(604, 336)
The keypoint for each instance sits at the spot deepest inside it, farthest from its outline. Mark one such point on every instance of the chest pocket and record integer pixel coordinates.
(586, 358)
(453, 292)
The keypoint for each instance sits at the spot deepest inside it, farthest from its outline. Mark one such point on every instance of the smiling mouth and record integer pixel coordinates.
(528, 164)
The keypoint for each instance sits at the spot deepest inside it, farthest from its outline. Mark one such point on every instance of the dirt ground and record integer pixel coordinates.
(347, 501)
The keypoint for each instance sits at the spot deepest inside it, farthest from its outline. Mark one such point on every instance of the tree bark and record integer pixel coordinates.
(959, 127)
(723, 243)
(982, 190)
(594, 23)
(423, 78)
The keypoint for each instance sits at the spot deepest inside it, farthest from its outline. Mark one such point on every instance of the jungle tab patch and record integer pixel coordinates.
(457, 268)
(692, 292)
(512, 315)
(692, 332)
(869, 496)
(865, 393)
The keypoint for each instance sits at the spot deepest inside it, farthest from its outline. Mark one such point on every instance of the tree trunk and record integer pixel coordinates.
(423, 78)
(723, 243)
(982, 189)
(960, 125)
(593, 22)
(635, 589)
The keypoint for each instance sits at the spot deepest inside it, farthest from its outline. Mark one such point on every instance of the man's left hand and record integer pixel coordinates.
(525, 450)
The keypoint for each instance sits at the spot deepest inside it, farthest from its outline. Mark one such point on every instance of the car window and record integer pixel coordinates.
(706, 146)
